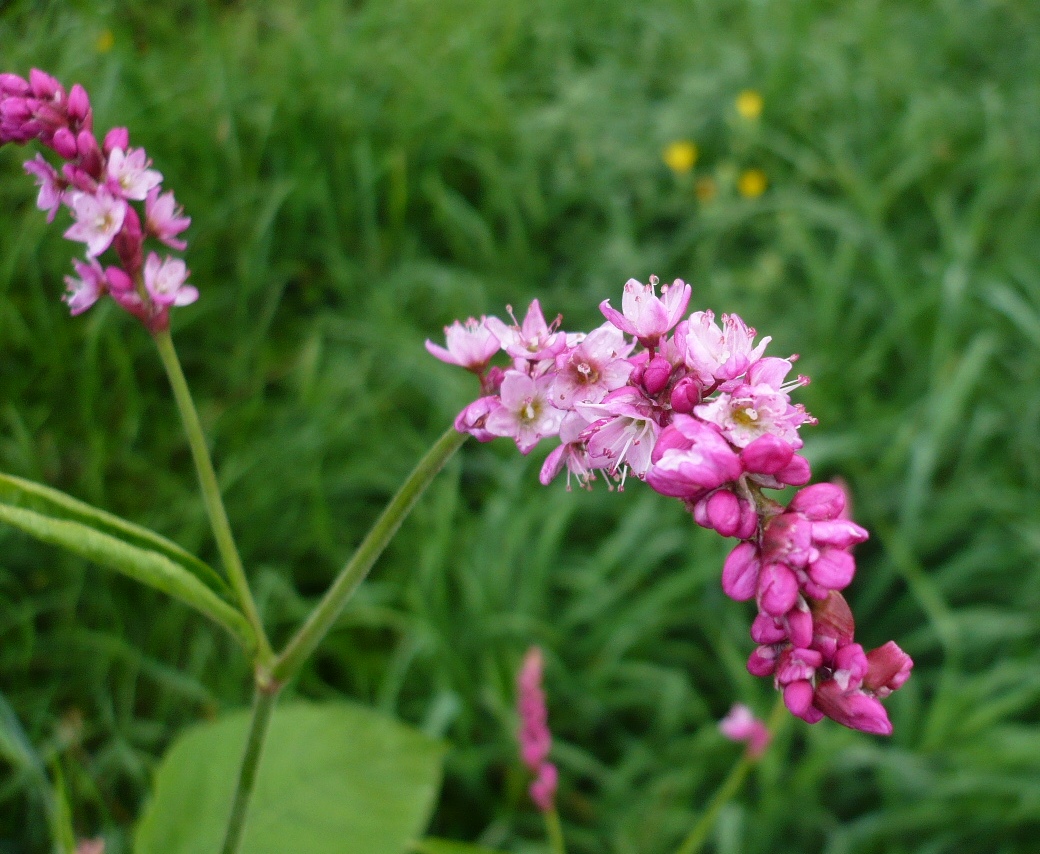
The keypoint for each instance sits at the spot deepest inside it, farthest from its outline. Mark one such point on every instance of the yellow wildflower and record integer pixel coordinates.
(752, 183)
(749, 104)
(105, 41)
(679, 156)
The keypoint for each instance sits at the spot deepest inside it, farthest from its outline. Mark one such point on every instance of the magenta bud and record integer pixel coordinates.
(118, 281)
(129, 242)
(721, 512)
(78, 178)
(740, 572)
(768, 454)
(777, 589)
(796, 472)
(762, 661)
(853, 709)
(833, 569)
(798, 697)
(472, 419)
(840, 533)
(819, 501)
(748, 521)
(116, 138)
(64, 143)
(686, 394)
(888, 667)
(656, 375)
(11, 85)
(764, 629)
(44, 86)
(797, 664)
(833, 625)
(90, 157)
(800, 626)
(15, 110)
(78, 108)
(850, 666)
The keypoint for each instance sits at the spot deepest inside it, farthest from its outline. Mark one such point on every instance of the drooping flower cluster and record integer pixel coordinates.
(533, 735)
(98, 184)
(697, 411)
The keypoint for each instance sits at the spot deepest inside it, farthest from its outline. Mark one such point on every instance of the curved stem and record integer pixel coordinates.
(211, 493)
(263, 704)
(697, 836)
(324, 615)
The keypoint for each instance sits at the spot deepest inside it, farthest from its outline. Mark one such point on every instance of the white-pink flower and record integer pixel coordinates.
(470, 345)
(99, 217)
(129, 175)
(717, 355)
(49, 182)
(748, 412)
(164, 218)
(532, 340)
(165, 281)
(623, 432)
(592, 368)
(526, 415)
(83, 292)
(644, 314)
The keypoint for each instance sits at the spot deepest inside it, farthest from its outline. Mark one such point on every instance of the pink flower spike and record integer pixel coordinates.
(470, 345)
(164, 281)
(50, 184)
(129, 175)
(83, 292)
(164, 218)
(741, 725)
(644, 314)
(533, 734)
(99, 216)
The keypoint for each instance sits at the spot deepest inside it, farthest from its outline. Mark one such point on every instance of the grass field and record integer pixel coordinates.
(360, 174)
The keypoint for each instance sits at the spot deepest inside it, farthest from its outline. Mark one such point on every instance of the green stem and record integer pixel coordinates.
(554, 831)
(692, 844)
(263, 704)
(211, 494)
(328, 610)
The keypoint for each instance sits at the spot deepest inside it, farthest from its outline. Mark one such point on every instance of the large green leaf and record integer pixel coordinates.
(145, 565)
(46, 501)
(333, 779)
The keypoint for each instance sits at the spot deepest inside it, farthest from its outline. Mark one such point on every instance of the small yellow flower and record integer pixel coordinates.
(749, 104)
(105, 41)
(706, 190)
(752, 183)
(679, 156)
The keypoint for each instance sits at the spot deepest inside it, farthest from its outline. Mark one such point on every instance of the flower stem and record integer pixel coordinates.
(357, 568)
(264, 699)
(211, 494)
(554, 831)
(697, 836)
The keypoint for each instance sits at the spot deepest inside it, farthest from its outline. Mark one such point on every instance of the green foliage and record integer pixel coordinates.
(335, 779)
(361, 173)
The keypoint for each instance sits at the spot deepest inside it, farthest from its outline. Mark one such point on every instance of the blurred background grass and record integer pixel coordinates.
(360, 174)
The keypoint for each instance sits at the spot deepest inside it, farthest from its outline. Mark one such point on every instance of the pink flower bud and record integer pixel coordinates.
(798, 697)
(796, 472)
(833, 626)
(64, 143)
(44, 86)
(685, 395)
(767, 630)
(78, 108)
(11, 85)
(800, 626)
(116, 138)
(90, 156)
(819, 501)
(740, 572)
(888, 667)
(656, 375)
(777, 589)
(768, 454)
(853, 709)
(720, 511)
(795, 665)
(762, 661)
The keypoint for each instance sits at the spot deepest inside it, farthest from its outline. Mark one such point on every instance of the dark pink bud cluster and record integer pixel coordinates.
(701, 414)
(98, 184)
(533, 735)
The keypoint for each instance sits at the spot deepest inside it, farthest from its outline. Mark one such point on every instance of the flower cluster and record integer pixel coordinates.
(697, 411)
(98, 183)
(534, 736)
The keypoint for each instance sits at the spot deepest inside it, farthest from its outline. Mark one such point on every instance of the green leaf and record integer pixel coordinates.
(50, 502)
(431, 845)
(142, 564)
(333, 779)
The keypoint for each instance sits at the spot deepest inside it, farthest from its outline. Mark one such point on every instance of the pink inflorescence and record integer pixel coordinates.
(98, 184)
(697, 411)
(534, 736)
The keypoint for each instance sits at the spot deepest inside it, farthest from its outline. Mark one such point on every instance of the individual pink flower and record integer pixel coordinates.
(526, 416)
(532, 340)
(129, 175)
(86, 290)
(644, 314)
(50, 184)
(742, 725)
(99, 216)
(588, 371)
(717, 355)
(572, 454)
(622, 433)
(534, 735)
(748, 412)
(164, 218)
(165, 281)
(473, 419)
(470, 345)
(690, 459)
